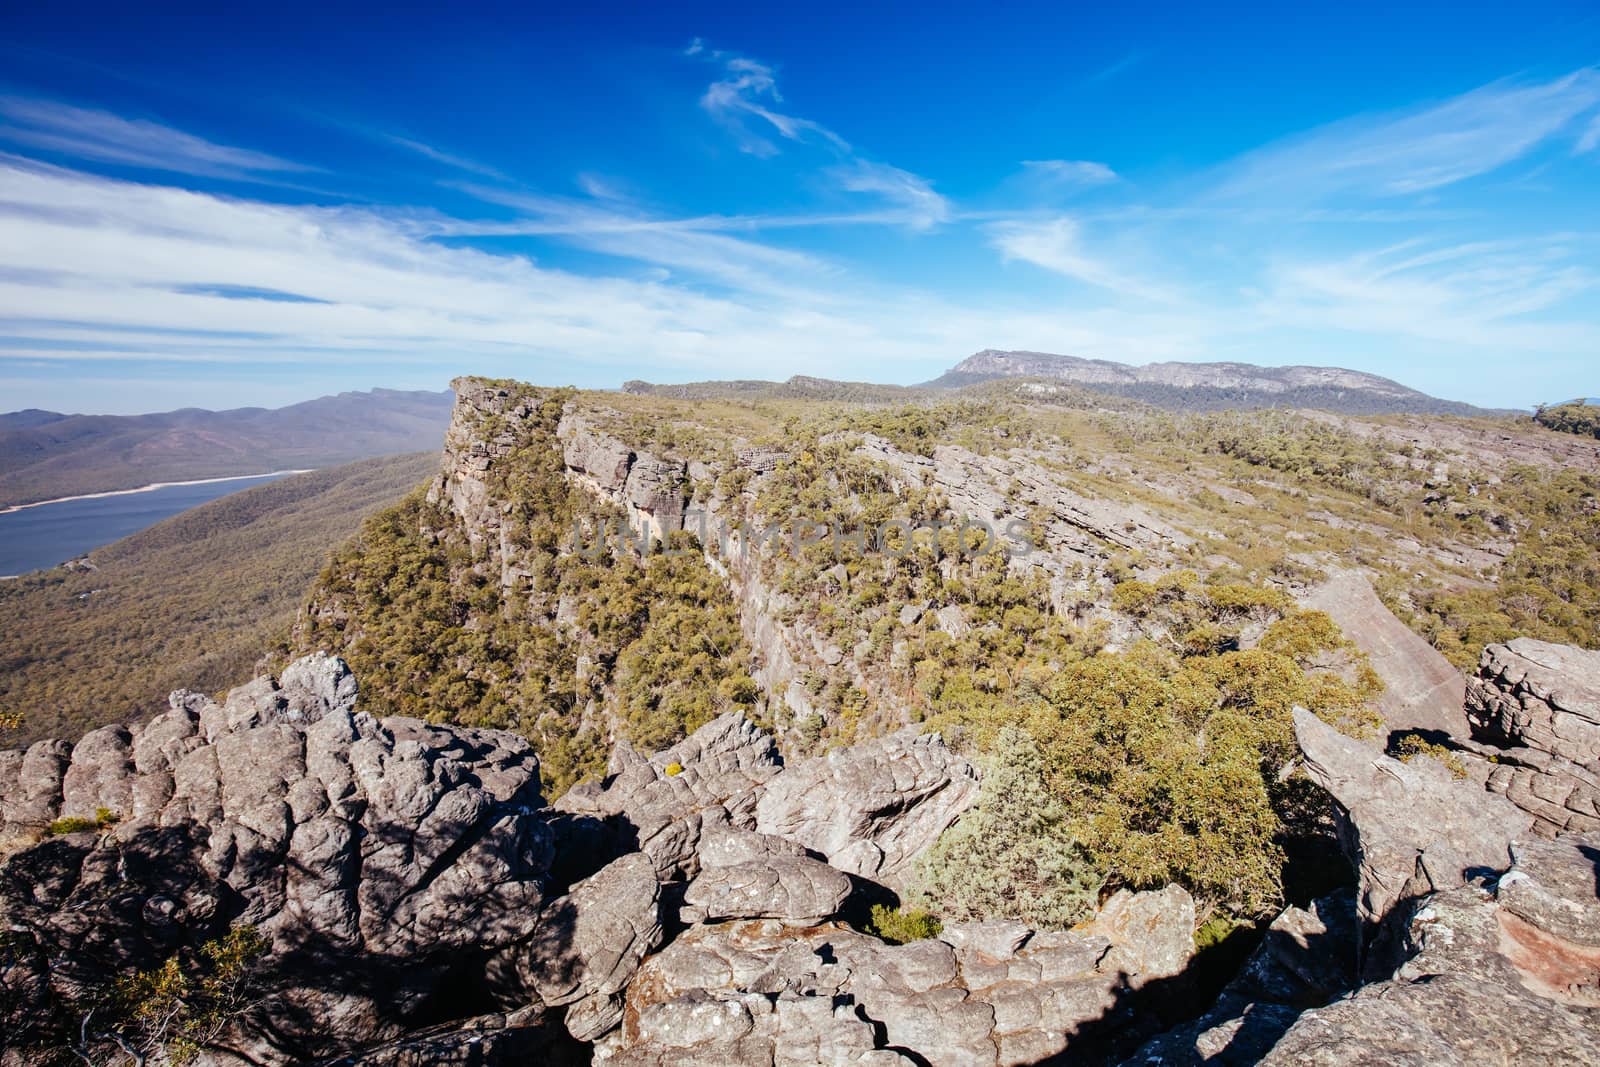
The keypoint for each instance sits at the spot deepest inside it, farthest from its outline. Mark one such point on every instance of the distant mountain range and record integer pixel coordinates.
(1209, 386)
(45, 454)
(1174, 386)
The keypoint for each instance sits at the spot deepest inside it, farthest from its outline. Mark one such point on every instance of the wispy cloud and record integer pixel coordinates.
(743, 93)
(85, 133)
(1079, 172)
(748, 90)
(1478, 295)
(694, 246)
(1107, 73)
(448, 159)
(1591, 137)
(923, 208)
(1422, 150)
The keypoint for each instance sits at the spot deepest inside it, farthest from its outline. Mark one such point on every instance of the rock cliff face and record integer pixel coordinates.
(1542, 702)
(655, 493)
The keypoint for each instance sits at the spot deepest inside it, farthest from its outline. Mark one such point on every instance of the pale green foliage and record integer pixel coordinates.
(1013, 856)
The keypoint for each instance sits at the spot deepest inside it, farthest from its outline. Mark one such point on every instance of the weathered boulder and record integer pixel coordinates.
(101, 774)
(1151, 934)
(1498, 975)
(639, 806)
(792, 888)
(872, 808)
(981, 994)
(375, 858)
(31, 788)
(1393, 811)
(588, 944)
(1542, 702)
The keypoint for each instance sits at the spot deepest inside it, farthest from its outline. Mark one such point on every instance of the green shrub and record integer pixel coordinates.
(1013, 856)
(431, 632)
(1575, 417)
(899, 926)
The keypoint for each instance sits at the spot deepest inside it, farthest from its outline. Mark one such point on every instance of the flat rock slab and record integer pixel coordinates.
(1422, 691)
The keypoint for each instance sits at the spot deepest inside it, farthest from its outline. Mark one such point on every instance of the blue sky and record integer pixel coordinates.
(263, 207)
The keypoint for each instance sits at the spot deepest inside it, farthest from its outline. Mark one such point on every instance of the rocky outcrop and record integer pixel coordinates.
(792, 888)
(985, 994)
(871, 808)
(1007, 492)
(589, 942)
(1540, 703)
(641, 806)
(1421, 689)
(1502, 972)
(653, 489)
(1391, 812)
(376, 858)
(400, 874)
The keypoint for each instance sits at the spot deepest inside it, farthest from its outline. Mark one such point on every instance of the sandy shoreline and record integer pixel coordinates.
(145, 489)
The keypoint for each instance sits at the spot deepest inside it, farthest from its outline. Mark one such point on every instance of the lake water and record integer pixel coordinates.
(40, 537)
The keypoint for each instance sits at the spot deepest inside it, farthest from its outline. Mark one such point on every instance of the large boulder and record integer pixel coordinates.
(872, 808)
(792, 888)
(1151, 933)
(979, 995)
(589, 943)
(639, 806)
